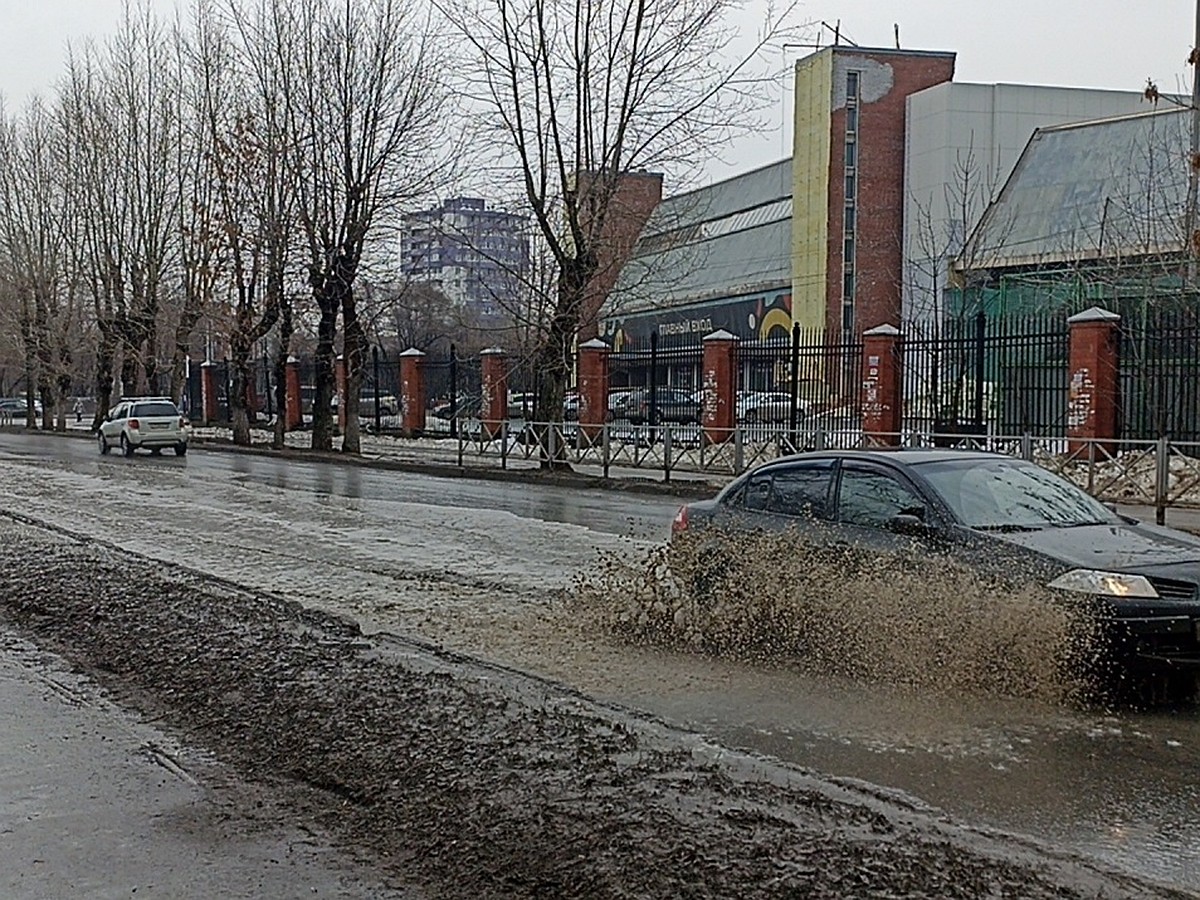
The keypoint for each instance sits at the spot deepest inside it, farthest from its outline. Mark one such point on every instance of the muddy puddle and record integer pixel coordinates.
(907, 618)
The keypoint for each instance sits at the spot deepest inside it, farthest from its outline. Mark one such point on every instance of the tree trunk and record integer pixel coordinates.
(130, 368)
(281, 373)
(354, 349)
(322, 414)
(183, 348)
(240, 375)
(64, 391)
(27, 339)
(45, 368)
(104, 373)
(553, 356)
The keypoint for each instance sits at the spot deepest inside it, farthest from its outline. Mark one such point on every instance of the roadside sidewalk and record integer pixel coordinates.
(100, 804)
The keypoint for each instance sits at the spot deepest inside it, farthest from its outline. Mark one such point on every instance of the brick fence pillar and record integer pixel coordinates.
(339, 379)
(593, 386)
(208, 392)
(882, 398)
(1092, 397)
(295, 405)
(494, 408)
(719, 383)
(412, 392)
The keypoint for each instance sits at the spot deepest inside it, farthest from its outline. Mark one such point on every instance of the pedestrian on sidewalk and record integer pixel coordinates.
(78, 410)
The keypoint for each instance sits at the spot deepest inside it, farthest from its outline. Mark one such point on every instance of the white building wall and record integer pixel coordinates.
(980, 130)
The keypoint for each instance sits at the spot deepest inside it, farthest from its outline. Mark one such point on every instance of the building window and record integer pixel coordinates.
(850, 219)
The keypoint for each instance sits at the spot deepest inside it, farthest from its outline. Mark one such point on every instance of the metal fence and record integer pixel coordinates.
(976, 375)
(813, 378)
(1159, 376)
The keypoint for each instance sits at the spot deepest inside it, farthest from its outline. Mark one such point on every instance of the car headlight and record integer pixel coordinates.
(1105, 584)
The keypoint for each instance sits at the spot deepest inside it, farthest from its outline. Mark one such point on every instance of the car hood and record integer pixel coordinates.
(1122, 547)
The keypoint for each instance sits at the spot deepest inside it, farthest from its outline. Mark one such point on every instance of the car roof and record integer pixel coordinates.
(904, 457)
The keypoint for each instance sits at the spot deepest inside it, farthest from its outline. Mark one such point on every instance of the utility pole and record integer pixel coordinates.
(1193, 158)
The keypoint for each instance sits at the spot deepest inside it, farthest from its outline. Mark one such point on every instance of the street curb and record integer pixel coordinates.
(683, 490)
(443, 470)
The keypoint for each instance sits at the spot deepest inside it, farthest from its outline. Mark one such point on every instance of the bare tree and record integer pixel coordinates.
(940, 247)
(198, 224)
(264, 67)
(584, 94)
(363, 83)
(244, 154)
(36, 232)
(119, 108)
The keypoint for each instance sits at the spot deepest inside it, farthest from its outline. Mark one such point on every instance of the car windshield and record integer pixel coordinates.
(1012, 495)
(155, 409)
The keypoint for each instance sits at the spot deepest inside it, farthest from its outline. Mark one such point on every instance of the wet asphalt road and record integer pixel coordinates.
(609, 511)
(1122, 787)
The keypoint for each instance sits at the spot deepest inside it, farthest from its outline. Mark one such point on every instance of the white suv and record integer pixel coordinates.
(150, 422)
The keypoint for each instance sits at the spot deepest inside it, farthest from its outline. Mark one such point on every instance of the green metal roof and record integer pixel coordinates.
(1109, 188)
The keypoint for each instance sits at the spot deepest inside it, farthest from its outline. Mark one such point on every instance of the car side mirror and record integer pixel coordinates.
(910, 522)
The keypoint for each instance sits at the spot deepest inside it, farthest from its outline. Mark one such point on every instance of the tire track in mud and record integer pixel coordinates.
(479, 780)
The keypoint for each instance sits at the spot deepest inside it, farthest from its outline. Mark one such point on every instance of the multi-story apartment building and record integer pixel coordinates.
(478, 257)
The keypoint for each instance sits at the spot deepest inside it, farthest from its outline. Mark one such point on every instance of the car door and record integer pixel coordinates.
(870, 497)
(791, 496)
(111, 426)
(670, 405)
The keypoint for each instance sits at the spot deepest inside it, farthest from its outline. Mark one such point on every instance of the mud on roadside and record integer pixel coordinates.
(905, 616)
(475, 781)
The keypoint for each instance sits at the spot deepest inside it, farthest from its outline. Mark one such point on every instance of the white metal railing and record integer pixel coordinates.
(1158, 473)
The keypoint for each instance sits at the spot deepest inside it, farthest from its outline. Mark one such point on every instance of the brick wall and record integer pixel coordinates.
(636, 197)
(888, 77)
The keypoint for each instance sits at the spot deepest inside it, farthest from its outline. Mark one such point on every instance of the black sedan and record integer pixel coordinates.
(663, 405)
(984, 508)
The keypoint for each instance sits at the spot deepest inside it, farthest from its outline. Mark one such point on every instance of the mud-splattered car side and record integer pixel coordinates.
(994, 512)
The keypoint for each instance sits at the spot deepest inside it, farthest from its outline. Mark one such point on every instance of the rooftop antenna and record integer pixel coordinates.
(838, 37)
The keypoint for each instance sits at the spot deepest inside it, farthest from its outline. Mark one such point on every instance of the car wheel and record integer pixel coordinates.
(181, 449)
(126, 447)
(104, 448)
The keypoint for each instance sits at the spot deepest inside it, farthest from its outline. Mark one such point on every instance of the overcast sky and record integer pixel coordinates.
(1084, 43)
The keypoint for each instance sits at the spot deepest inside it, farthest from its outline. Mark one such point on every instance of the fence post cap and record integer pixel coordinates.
(884, 330)
(411, 352)
(593, 344)
(493, 351)
(720, 335)
(1094, 314)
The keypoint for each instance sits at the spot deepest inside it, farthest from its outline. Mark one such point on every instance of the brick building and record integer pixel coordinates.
(848, 181)
(636, 196)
